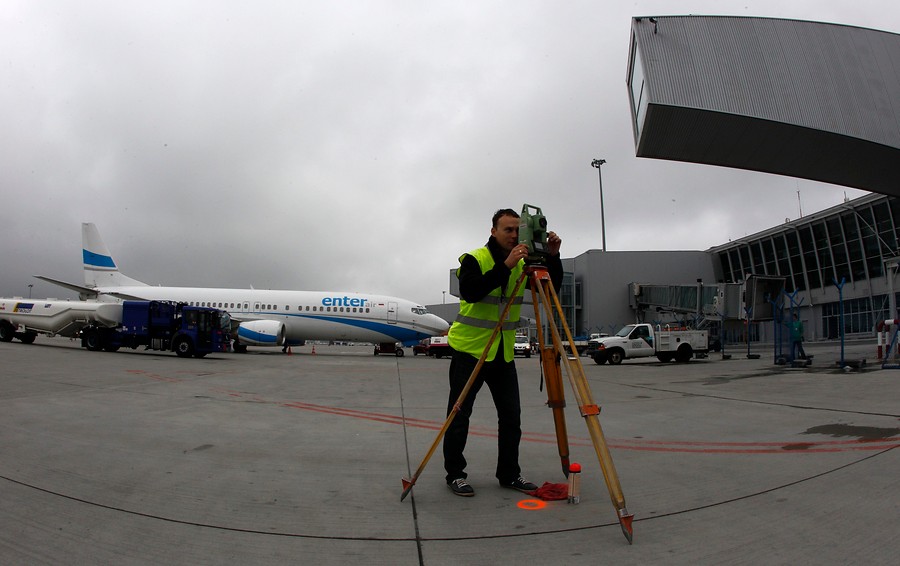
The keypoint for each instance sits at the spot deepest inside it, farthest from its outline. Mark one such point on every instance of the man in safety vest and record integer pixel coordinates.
(487, 277)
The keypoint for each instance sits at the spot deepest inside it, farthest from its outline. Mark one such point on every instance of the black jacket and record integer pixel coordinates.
(474, 286)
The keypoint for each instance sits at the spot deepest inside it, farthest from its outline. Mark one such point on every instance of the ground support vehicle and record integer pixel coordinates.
(581, 344)
(162, 325)
(159, 325)
(389, 348)
(439, 346)
(522, 346)
(24, 319)
(643, 340)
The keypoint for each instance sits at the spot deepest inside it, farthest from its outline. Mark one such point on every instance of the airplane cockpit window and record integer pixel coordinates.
(418, 309)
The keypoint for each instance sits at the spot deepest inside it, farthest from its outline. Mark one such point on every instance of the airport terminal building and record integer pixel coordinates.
(847, 253)
(804, 99)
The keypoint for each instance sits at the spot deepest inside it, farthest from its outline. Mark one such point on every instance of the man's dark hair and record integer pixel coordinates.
(504, 212)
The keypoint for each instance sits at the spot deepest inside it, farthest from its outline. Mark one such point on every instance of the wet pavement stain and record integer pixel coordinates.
(862, 432)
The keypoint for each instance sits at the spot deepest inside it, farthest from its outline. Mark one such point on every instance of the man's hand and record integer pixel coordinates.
(553, 243)
(517, 254)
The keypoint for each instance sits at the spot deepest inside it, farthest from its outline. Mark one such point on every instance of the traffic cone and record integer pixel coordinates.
(314, 349)
(290, 352)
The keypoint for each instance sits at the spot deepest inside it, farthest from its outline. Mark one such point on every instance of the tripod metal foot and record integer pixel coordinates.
(625, 522)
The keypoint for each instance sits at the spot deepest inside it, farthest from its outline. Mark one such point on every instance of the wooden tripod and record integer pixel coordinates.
(545, 296)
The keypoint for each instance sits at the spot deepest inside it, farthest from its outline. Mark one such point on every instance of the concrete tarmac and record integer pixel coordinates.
(140, 457)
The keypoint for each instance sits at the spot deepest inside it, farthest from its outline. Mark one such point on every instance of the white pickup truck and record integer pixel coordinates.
(642, 341)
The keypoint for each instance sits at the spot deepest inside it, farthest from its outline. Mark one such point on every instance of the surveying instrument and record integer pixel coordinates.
(533, 233)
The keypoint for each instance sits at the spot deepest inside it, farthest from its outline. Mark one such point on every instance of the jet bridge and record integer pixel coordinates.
(751, 299)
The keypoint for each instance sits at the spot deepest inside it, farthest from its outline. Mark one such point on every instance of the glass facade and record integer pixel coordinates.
(860, 315)
(567, 301)
(849, 245)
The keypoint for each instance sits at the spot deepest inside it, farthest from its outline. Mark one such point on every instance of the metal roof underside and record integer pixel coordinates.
(803, 99)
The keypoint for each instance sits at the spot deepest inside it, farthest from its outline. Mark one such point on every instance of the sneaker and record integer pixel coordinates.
(461, 487)
(520, 484)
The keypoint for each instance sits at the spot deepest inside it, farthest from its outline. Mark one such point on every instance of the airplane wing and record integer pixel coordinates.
(80, 289)
(87, 292)
(243, 317)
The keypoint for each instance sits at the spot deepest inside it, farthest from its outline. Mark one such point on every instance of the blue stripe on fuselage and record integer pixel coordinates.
(397, 332)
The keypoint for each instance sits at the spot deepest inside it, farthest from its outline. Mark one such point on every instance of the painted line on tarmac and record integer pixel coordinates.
(646, 445)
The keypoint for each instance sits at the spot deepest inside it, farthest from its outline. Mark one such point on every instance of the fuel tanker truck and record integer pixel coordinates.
(158, 325)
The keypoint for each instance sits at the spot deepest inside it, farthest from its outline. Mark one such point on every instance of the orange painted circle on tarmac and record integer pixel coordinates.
(532, 504)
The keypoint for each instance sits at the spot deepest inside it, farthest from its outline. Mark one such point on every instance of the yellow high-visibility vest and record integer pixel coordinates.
(472, 328)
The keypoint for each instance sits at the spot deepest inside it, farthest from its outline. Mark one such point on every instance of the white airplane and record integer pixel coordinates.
(266, 317)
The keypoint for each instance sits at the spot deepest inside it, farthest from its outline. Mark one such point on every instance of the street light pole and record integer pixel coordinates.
(596, 163)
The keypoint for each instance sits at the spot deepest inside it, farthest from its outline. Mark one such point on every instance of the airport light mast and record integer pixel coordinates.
(596, 163)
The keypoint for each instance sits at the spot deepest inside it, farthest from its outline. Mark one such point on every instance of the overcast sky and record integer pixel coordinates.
(355, 146)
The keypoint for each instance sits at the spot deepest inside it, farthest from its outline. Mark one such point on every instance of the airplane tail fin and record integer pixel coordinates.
(99, 267)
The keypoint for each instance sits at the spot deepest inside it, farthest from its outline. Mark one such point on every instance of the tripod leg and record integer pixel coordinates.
(589, 410)
(556, 399)
(557, 402)
(409, 483)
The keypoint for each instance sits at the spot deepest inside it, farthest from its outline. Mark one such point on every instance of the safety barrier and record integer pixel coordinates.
(888, 346)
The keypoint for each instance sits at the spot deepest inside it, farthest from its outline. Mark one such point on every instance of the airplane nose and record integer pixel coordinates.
(440, 323)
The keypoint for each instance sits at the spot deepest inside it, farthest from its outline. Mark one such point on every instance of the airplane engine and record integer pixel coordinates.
(261, 333)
